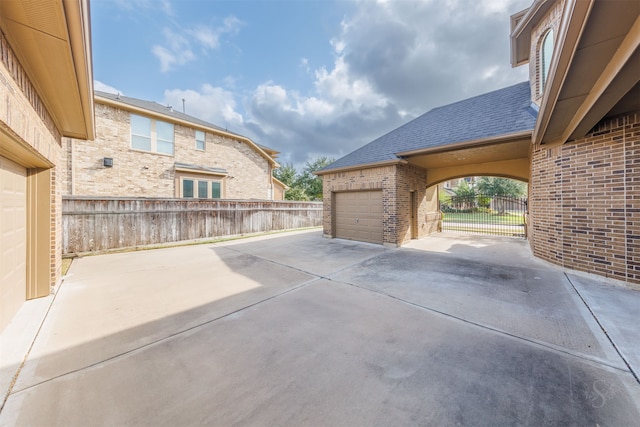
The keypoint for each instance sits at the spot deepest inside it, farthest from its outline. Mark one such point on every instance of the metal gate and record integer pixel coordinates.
(483, 214)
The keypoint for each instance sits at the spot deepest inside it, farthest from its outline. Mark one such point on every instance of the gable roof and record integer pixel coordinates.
(170, 113)
(494, 114)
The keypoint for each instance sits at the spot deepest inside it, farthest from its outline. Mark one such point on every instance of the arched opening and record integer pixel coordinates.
(484, 205)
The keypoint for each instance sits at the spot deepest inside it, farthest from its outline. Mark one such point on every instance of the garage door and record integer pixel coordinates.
(358, 216)
(13, 239)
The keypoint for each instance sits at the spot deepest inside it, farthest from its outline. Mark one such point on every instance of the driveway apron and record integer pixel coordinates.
(293, 329)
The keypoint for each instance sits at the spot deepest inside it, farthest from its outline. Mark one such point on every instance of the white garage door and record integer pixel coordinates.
(13, 239)
(358, 216)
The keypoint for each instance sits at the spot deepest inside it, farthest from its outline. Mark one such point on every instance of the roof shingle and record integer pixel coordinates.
(501, 112)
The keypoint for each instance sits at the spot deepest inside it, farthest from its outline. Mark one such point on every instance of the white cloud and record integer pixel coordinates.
(392, 62)
(102, 87)
(175, 52)
(177, 48)
(212, 104)
(209, 37)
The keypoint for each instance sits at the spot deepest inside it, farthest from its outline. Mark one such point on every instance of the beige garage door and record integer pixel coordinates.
(13, 239)
(358, 216)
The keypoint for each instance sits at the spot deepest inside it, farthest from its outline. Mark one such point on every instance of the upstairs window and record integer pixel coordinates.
(199, 140)
(151, 135)
(546, 51)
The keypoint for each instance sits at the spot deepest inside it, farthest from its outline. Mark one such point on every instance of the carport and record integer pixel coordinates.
(401, 169)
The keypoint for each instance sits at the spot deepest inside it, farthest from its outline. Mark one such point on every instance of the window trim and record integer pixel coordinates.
(545, 63)
(204, 140)
(197, 179)
(153, 136)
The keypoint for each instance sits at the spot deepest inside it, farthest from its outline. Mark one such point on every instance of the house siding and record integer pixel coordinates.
(413, 179)
(26, 124)
(145, 174)
(585, 200)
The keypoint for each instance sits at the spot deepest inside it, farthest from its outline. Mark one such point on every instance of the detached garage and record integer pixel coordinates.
(358, 216)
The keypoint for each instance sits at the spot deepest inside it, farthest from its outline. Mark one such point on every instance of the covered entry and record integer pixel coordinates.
(358, 215)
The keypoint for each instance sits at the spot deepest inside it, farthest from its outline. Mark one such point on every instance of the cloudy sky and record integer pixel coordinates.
(308, 78)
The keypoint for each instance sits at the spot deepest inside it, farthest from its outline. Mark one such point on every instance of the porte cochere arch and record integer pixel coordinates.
(572, 135)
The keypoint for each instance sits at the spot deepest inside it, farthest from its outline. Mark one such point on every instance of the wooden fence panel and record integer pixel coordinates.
(98, 224)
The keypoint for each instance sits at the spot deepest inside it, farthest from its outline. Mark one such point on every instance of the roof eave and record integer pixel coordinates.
(361, 166)
(521, 26)
(497, 139)
(125, 106)
(55, 51)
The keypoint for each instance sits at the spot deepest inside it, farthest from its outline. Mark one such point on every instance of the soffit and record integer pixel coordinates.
(473, 155)
(605, 66)
(51, 39)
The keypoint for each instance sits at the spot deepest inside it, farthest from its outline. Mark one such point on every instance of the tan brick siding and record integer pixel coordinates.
(585, 201)
(411, 178)
(396, 182)
(27, 123)
(144, 174)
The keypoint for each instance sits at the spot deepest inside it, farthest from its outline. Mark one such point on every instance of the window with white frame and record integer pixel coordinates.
(546, 51)
(200, 139)
(200, 188)
(151, 135)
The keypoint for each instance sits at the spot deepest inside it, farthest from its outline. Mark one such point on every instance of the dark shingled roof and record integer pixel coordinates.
(502, 112)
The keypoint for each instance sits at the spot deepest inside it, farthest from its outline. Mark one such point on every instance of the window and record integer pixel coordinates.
(140, 133)
(151, 135)
(187, 188)
(201, 188)
(216, 190)
(199, 140)
(546, 51)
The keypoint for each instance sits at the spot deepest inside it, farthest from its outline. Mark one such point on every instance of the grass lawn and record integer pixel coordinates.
(484, 218)
(66, 263)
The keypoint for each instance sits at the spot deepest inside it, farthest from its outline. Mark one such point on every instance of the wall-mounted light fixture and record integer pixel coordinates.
(107, 162)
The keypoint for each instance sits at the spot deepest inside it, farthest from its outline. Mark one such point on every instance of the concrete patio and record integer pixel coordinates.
(293, 329)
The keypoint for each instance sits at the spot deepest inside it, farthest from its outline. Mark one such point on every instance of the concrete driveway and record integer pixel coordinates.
(295, 330)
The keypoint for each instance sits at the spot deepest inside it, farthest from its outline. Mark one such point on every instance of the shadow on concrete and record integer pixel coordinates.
(300, 330)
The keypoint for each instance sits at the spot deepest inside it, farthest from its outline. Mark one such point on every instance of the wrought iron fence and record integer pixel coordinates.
(484, 214)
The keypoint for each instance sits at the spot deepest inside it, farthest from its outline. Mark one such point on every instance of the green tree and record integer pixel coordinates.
(493, 186)
(500, 188)
(304, 185)
(287, 174)
(464, 190)
(310, 183)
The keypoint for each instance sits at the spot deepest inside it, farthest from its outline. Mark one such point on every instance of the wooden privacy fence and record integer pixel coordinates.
(99, 224)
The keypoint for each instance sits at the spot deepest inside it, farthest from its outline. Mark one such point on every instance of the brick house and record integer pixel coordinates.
(46, 92)
(144, 149)
(572, 131)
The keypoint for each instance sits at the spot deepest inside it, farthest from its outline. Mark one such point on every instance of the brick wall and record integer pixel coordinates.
(27, 123)
(585, 200)
(412, 179)
(397, 182)
(144, 174)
